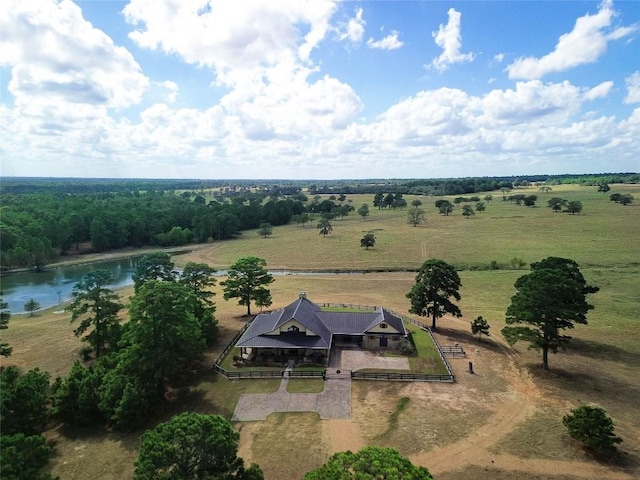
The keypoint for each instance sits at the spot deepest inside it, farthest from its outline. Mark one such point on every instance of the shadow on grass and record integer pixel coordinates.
(629, 461)
(594, 386)
(471, 341)
(602, 351)
(98, 433)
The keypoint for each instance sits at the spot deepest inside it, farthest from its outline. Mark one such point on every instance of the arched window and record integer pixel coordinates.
(293, 329)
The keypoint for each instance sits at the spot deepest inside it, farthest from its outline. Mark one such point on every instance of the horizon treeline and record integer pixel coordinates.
(45, 218)
(429, 186)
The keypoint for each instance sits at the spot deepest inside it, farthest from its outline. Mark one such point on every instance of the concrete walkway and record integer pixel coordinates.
(333, 402)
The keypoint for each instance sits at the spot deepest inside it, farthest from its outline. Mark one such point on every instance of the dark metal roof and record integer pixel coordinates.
(284, 340)
(323, 324)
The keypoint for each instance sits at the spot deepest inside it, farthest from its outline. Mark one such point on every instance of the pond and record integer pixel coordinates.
(55, 285)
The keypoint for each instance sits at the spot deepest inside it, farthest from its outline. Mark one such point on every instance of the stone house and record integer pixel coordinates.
(302, 330)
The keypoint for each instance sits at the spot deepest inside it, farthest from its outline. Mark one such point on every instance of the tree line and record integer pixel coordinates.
(45, 218)
(36, 228)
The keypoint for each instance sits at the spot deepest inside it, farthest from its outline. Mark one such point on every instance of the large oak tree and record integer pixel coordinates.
(192, 446)
(370, 463)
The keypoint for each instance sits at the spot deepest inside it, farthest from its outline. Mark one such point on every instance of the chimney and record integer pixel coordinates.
(302, 294)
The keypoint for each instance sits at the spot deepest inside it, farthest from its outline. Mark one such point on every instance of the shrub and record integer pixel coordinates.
(592, 426)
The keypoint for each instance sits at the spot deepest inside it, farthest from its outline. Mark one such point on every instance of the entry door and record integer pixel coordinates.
(383, 341)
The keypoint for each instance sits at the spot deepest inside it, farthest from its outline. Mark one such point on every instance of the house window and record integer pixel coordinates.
(383, 325)
(293, 329)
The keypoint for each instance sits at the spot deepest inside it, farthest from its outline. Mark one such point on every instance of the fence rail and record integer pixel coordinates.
(348, 305)
(453, 351)
(306, 374)
(231, 344)
(269, 373)
(408, 377)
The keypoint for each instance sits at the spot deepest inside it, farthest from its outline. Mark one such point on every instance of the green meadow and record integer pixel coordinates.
(605, 234)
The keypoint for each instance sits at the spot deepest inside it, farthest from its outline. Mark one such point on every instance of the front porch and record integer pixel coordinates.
(272, 357)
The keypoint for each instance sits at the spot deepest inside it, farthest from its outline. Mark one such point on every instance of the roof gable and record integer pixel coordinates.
(384, 316)
(265, 330)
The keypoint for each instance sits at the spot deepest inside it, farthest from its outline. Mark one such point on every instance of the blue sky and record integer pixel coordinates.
(318, 89)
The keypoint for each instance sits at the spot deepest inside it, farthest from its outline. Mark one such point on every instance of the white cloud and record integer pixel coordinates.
(353, 30)
(171, 89)
(530, 104)
(599, 91)
(499, 57)
(633, 88)
(533, 127)
(390, 42)
(280, 115)
(584, 44)
(59, 61)
(258, 50)
(449, 39)
(250, 35)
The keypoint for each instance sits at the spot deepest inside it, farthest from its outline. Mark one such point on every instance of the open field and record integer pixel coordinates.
(501, 423)
(605, 235)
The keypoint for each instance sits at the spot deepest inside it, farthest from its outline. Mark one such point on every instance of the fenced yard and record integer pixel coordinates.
(428, 364)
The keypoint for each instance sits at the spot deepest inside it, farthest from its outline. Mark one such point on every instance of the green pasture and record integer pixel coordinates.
(614, 320)
(605, 234)
(427, 358)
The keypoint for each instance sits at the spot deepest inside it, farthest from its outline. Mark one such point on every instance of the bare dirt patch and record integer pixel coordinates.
(283, 437)
(342, 435)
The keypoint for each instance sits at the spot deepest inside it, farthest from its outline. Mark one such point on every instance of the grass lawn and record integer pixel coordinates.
(305, 385)
(427, 359)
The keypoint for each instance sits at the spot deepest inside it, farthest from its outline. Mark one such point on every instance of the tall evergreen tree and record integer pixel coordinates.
(5, 316)
(96, 306)
(246, 281)
(548, 300)
(436, 283)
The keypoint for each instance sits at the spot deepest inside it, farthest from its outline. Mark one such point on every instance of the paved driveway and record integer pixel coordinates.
(333, 402)
(358, 359)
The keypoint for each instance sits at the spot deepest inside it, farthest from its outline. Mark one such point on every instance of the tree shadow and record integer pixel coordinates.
(98, 432)
(588, 384)
(602, 351)
(459, 336)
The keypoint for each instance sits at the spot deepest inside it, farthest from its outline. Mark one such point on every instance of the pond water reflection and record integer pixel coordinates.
(54, 285)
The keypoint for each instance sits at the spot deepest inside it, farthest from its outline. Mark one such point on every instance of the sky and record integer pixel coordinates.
(318, 89)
